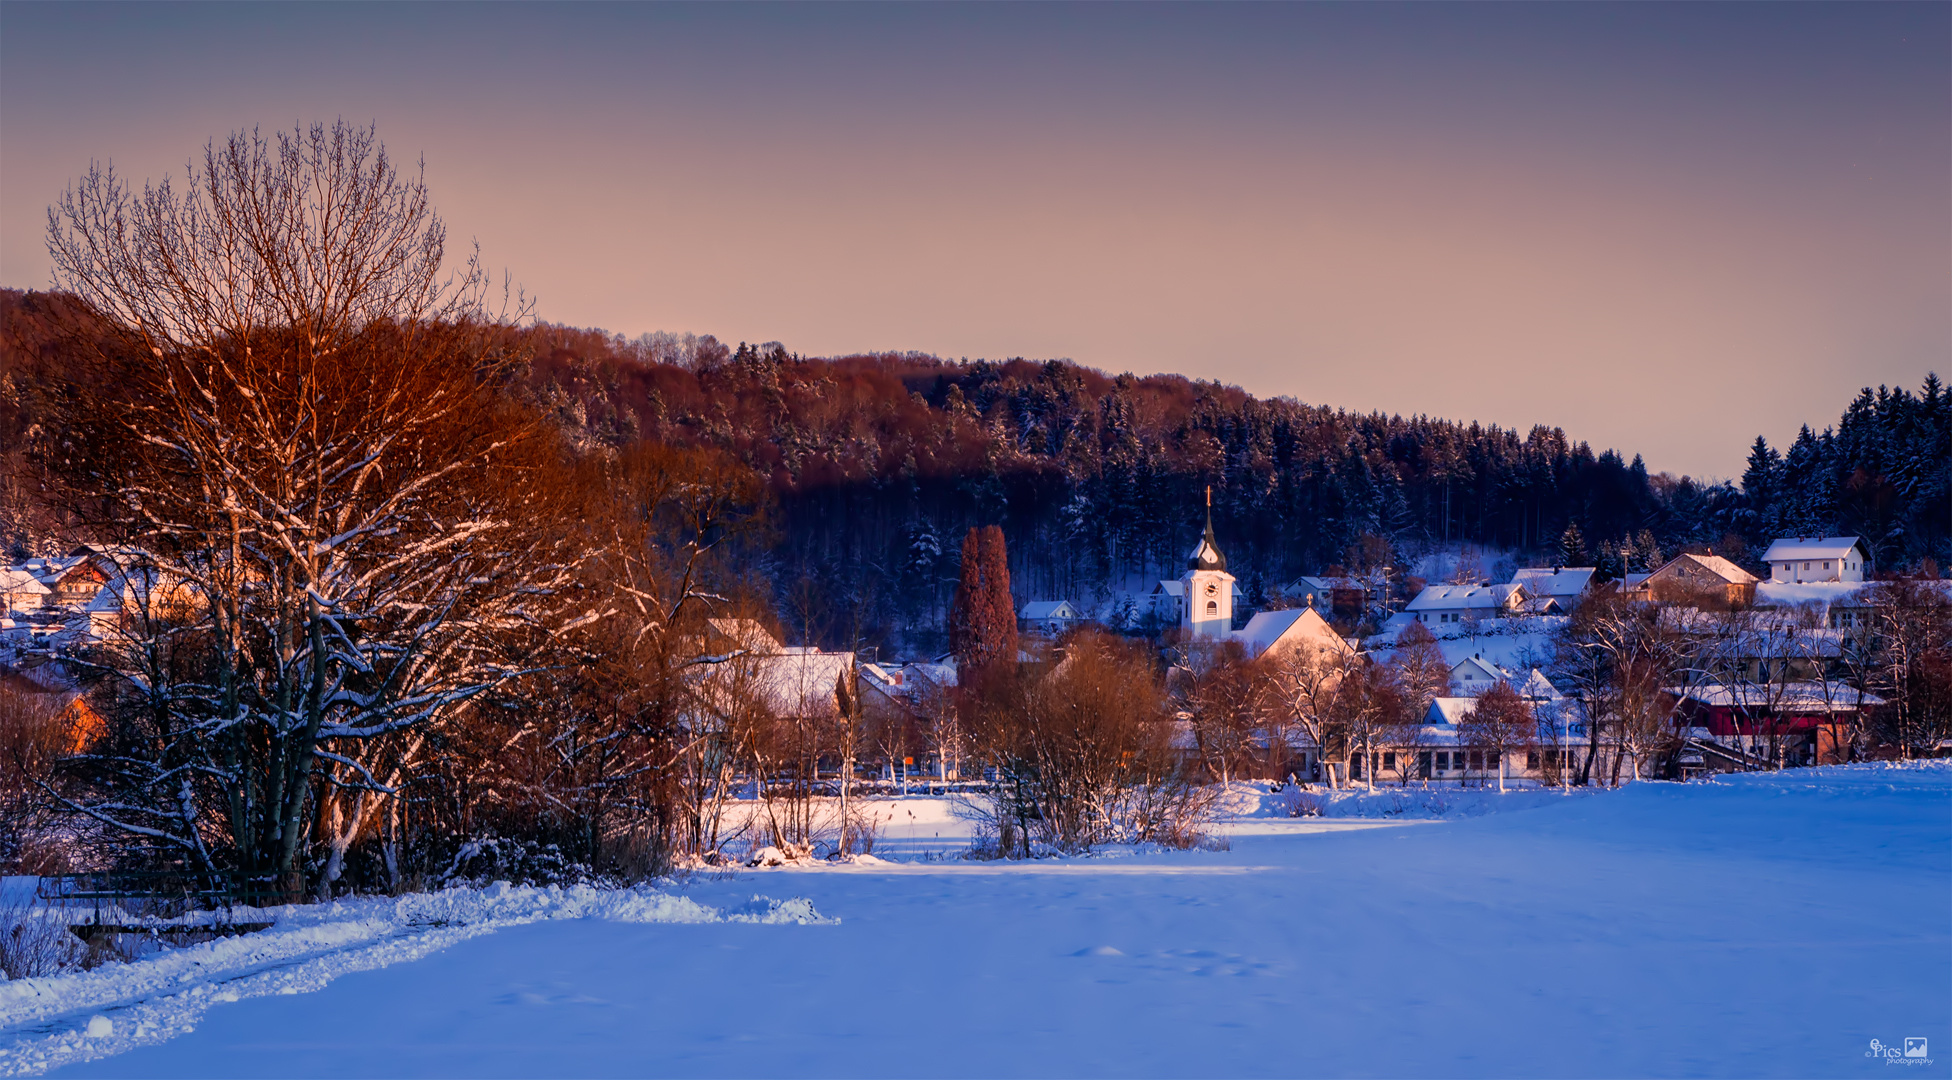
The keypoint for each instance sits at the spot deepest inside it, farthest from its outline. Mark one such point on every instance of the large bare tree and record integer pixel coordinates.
(297, 436)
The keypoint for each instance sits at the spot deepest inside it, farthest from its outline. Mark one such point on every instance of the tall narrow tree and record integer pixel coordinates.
(983, 621)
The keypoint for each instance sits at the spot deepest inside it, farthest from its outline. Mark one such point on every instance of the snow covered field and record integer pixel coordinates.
(1758, 925)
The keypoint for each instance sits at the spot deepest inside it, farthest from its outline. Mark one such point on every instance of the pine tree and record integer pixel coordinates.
(1762, 484)
(1572, 546)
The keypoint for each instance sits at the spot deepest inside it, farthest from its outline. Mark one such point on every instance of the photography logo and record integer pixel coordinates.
(1913, 1052)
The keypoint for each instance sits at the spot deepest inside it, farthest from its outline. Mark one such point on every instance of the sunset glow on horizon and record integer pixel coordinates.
(1665, 228)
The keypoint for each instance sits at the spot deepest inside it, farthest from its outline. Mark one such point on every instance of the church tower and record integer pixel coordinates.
(1208, 588)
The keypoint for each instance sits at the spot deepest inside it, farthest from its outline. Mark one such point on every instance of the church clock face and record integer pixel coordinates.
(1212, 588)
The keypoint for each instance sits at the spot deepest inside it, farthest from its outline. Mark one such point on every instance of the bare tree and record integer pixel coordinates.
(1223, 699)
(1084, 754)
(1422, 676)
(37, 730)
(1307, 684)
(1910, 633)
(1500, 722)
(299, 439)
(1370, 704)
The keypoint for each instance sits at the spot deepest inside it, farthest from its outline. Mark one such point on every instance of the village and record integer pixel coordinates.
(1749, 673)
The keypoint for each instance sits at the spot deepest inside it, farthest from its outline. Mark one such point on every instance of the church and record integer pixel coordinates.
(1207, 593)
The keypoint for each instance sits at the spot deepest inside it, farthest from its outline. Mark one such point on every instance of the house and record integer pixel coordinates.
(70, 580)
(1049, 616)
(20, 591)
(1809, 720)
(1564, 585)
(1698, 579)
(1440, 750)
(48, 688)
(1536, 688)
(790, 681)
(1473, 675)
(1838, 605)
(901, 706)
(1449, 605)
(1336, 597)
(1816, 558)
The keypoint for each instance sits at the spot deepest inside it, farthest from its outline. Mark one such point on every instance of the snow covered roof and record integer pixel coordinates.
(747, 634)
(1476, 669)
(1038, 610)
(1728, 570)
(21, 582)
(49, 571)
(939, 673)
(1555, 717)
(1787, 549)
(1558, 581)
(1782, 697)
(1286, 627)
(801, 681)
(1452, 597)
(1536, 685)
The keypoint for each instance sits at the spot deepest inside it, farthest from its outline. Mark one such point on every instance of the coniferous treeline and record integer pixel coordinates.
(1883, 473)
(879, 463)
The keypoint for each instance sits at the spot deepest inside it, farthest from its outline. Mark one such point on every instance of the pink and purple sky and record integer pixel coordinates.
(1667, 228)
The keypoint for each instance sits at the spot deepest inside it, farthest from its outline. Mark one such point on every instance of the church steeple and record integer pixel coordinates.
(1207, 587)
(1206, 555)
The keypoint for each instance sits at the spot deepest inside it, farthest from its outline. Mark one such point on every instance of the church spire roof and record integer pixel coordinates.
(1206, 555)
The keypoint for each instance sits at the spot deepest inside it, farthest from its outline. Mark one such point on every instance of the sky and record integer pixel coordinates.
(1666, 228)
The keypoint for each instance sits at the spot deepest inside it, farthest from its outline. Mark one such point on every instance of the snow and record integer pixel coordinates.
(1823, 594)
(61, 1019)
(1565, 581)
(1762, 924)
(1787, 549)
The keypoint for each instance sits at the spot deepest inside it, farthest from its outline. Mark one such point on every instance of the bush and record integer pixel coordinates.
(1083, 756)
(35, 941)
(520, 862)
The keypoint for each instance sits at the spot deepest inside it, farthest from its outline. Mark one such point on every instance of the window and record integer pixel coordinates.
(1532, 759)
(1491, 759)
(1212, 608)
(1476, 760)
(1389, 759)
(1443, 761)
(1423, 763)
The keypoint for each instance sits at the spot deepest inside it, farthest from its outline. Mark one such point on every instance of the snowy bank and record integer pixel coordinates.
(47, 1022)
(1762, 925)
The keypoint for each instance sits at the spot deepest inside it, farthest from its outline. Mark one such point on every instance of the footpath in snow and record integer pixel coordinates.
(1760, 925)
(93, 1014)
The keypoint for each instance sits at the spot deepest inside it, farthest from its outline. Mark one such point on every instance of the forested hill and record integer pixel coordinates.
(880, 462)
